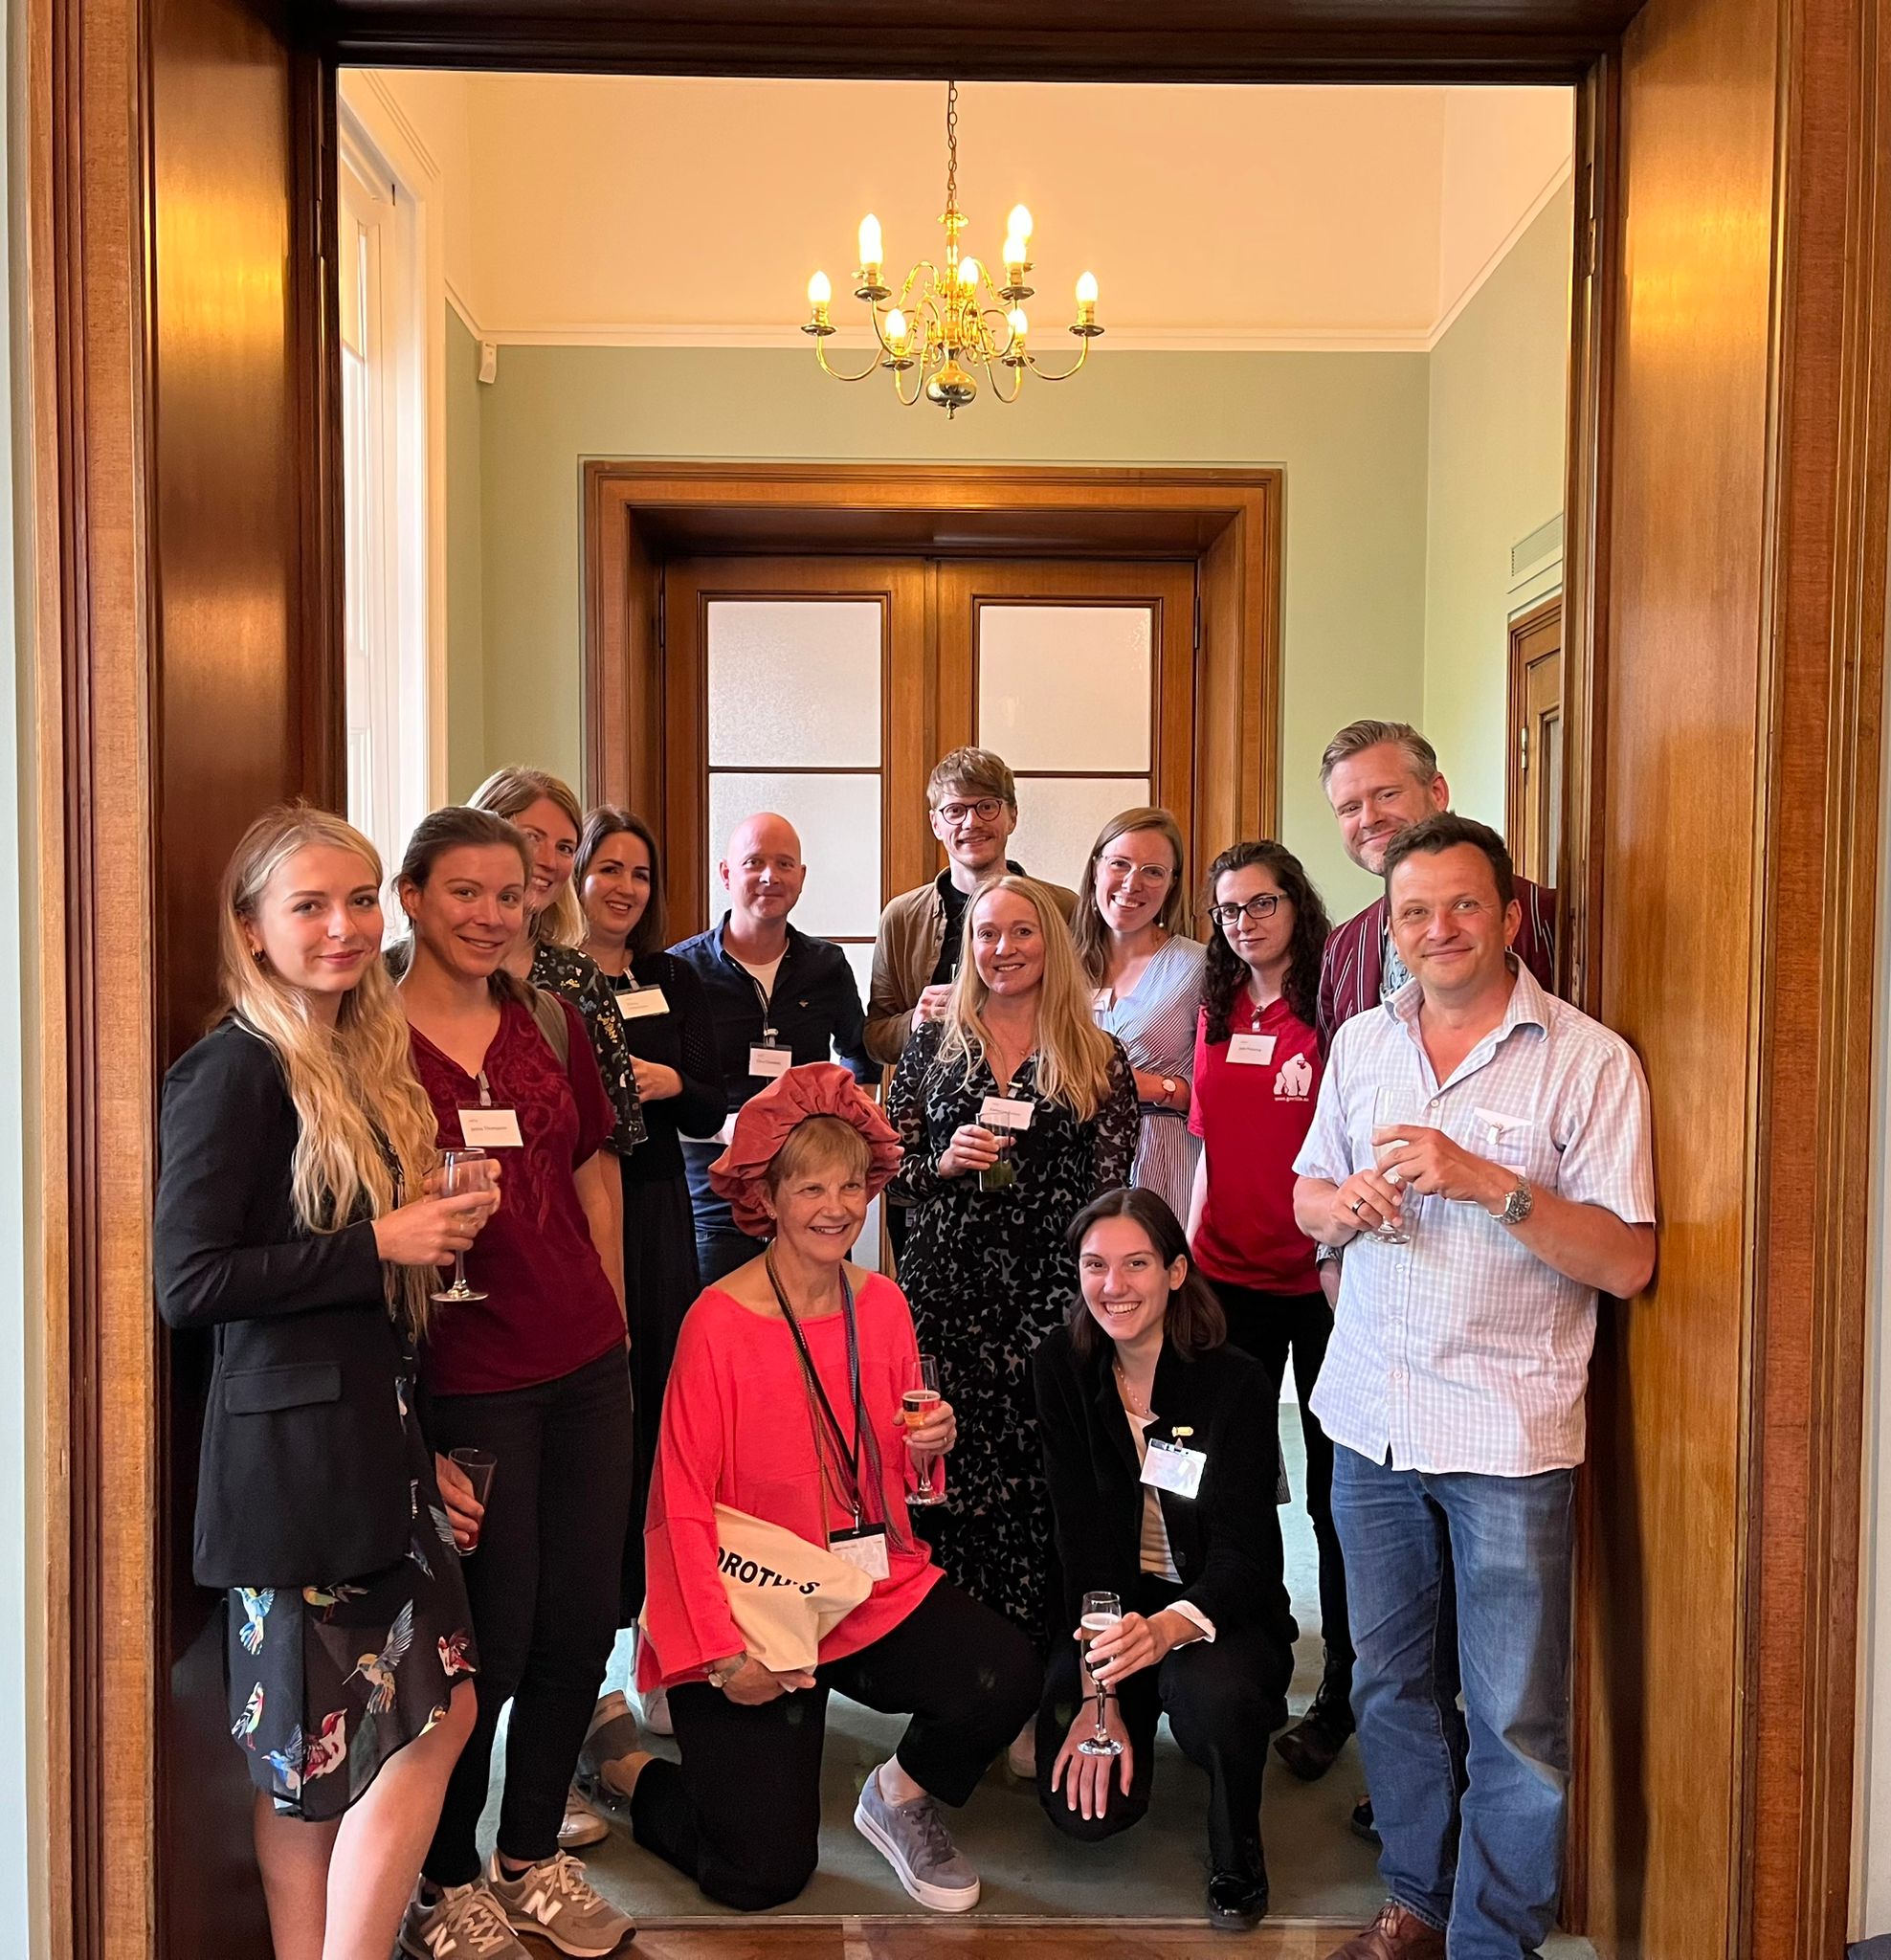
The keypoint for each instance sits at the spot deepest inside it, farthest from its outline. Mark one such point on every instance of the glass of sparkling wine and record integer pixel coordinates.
(1102, 1610)
(916, 1404)
(1391, 1108)
(462, 1171)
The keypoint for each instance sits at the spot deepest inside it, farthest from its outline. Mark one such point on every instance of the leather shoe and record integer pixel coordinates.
(1312, 1746)
(1394, 1935)
(1236, 1900)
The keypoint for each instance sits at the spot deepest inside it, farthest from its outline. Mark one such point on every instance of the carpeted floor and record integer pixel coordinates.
(1318, 1869)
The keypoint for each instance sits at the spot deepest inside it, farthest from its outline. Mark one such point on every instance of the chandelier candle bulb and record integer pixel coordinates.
(969, 274)
(1019, 226)
(871, 254)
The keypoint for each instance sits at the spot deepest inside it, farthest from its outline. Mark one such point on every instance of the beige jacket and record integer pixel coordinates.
(912, 929)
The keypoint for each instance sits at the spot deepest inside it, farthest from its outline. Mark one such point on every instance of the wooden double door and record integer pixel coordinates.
(826, 688)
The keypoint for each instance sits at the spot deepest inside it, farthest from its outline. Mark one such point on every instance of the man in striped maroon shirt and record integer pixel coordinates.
(1381, 778)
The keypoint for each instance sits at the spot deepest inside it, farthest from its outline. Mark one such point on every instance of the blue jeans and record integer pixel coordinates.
(1455, 1581)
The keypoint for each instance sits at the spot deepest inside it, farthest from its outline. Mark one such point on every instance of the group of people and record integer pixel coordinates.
(529, 1251)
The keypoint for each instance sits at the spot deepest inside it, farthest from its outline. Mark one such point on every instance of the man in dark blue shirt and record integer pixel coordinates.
(777, 998)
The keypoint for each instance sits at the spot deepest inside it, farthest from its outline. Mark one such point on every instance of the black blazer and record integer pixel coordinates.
(304, 1476)
(1225, 1540)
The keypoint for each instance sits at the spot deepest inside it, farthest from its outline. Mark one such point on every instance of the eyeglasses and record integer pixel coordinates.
(985, 809)
(1262, 905)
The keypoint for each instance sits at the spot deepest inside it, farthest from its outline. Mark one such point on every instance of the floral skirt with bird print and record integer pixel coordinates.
(327, 1682)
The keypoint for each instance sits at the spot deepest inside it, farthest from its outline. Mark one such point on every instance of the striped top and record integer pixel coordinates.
(1155, 1022)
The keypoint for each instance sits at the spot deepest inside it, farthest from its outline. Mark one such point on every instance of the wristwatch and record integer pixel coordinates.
(721, 1677)
(1169, 1086)
(1517, 1203)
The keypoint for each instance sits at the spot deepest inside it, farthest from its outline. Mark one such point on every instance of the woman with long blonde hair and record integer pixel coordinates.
(1015, 1110)
(1131, 932)
(294, 1218)
(549, 949)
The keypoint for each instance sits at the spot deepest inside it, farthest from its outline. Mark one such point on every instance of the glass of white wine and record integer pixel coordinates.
(462, 1171)
(917, 1402)
(1394, 1109)
(1102, 1610)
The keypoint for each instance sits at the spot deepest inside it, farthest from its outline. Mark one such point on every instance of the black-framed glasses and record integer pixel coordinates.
(985, 810)
(1262, 905)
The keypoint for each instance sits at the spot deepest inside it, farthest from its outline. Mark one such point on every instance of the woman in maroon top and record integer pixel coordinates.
(1257, 1068)
(535, 1372)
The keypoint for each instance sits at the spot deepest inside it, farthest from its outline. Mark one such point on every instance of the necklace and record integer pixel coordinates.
(1129, 1397)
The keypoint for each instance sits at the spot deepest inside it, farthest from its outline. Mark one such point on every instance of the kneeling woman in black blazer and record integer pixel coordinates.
(1141, 1384)
(293, 1222)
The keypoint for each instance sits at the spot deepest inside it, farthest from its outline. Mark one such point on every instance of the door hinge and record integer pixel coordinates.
(663, 610)
(1196, 643)
(1522, 751)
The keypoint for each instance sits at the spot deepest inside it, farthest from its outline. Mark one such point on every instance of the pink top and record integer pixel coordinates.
(736, 1431)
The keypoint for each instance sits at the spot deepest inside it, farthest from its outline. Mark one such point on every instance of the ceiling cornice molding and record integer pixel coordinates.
(456, 299)
(388, 104)
(1538, 204)
(1124, 340)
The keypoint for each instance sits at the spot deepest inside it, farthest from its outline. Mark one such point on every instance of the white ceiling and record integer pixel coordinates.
(625, 210)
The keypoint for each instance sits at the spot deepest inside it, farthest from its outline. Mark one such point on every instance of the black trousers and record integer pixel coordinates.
(741, 1812)
(1270, 1327)
(1223, 1699)
(543, 1584)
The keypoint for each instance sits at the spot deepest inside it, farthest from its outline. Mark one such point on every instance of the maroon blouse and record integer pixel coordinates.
(548, 1307)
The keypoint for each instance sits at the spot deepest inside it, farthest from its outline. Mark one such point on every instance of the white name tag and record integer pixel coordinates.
(640, 1003)
(769, 1062)
(1169, 1466)
(1005, 1112)
(865, 1548)
(1251, 1050)
(490, 1130)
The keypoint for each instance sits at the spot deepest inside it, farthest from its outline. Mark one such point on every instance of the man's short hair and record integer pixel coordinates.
(1443, 832)
(1357, 737)
(977, 771)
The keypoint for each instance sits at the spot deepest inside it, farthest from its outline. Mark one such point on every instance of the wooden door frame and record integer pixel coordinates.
(86, 69)
(1229, 522)
(1516, 784)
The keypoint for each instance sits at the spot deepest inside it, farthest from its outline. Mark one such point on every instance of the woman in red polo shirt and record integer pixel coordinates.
(1257, 1068)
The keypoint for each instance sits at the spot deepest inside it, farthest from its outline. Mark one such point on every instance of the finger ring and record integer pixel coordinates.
(1355, 1205)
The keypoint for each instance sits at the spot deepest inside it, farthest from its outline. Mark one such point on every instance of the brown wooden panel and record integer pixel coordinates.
(1066, 40)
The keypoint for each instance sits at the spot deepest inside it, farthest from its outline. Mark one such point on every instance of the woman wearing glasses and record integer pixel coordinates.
(1146, 977)
(1257, 1078)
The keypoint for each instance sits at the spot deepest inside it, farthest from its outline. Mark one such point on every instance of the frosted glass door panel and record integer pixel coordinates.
(838, 819)
(794, 680)
(1065, 687)
(1059, 819)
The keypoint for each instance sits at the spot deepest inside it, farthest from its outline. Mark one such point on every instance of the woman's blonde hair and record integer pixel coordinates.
(1073, 1053)
(813, 1144)
(510, 792)
(1087, 929)
(360, 1107)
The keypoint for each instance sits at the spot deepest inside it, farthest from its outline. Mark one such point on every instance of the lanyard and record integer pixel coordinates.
(767, 1002)
(846, 1454)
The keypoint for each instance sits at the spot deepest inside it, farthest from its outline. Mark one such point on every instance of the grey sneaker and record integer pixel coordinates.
(555, 1899)
(580, 1825)
(913, 1840)
(462, 1923)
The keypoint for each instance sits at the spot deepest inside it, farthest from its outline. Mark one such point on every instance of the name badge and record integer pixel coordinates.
(1507, 1134)
(865, 1547)
(769, 1062)
(1251, 1050)
(491, 1129)
(1170, 1467)
(1005, 1112)
(638, 1004)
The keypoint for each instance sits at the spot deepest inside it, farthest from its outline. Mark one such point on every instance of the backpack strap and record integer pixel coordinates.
(548, 1011)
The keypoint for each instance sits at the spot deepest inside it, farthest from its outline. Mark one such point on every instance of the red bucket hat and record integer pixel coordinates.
(817, 1088)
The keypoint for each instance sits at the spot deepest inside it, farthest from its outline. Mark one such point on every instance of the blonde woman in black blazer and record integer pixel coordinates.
(293, 1226)
(1206, 1636)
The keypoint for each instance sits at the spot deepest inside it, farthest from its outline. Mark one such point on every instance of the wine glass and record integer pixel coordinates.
(1102, 1610)
(916, 1404)
(478, 1467)
(1392, 1107)
(462, 1171)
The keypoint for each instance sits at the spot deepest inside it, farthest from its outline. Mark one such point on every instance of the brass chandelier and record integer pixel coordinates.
(951, 320)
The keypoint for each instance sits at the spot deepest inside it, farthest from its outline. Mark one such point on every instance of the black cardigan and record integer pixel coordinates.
(1225, 1540)
(304, 1477)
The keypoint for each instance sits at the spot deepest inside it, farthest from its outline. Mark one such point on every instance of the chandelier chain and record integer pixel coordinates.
(951, 145)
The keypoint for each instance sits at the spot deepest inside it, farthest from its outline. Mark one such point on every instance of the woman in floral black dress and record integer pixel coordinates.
(987, 1271)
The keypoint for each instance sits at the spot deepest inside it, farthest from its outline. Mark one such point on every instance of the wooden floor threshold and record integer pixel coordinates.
(1000, 1936)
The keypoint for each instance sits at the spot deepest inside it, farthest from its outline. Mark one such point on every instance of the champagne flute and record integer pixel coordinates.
(916, 1405)
(1392, 1108)
(1102, 1610)
(477, 1466)
(461, 1171)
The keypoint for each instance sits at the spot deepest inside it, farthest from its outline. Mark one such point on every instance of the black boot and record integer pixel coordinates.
(1237, 1900)
(1311, 1747)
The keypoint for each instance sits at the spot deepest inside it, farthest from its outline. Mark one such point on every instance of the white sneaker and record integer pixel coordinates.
(581, 1825)
(555, 1899)
(464, 1923)
(654, 1711)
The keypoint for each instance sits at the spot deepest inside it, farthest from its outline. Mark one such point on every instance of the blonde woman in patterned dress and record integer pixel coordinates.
(1145, 975)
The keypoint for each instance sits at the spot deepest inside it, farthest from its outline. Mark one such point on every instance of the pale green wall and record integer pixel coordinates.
(1497, 415)
(1349, 429)
(466, 650)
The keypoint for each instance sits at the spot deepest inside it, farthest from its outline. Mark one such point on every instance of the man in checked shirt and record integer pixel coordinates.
(1482, 1151)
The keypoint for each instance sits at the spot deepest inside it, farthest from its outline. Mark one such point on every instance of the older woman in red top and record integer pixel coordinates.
(1257, 1069)
(785, 1402)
